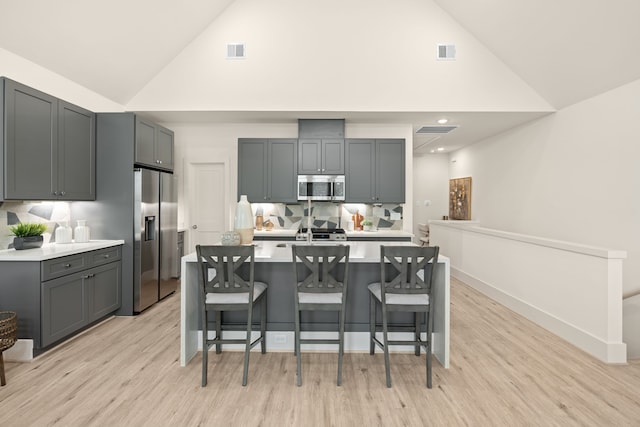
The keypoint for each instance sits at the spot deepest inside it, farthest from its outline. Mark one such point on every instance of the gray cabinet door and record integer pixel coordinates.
(390, 171)
(31, 129)
(76, 153)
(360, 170)
(145, 142)
(104, 290)
(321, 156)
(333, 156)
(164, 148)
(252, 169)
(309, 156)
(282, 171)
(63, 307)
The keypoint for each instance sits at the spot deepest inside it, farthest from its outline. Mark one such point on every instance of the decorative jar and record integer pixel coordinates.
(82, 232)
(244, 221)
(63, 232)
(230, 238)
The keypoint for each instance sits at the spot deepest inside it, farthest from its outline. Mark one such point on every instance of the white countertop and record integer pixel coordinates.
(360, 251)
(280, 232)
(56, 250)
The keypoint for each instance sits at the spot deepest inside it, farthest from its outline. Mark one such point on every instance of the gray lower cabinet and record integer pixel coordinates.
(72, 302)
(58, 297)
(320, 156)
(267, 169)
(154, 145)
(375, 170)
(48, 146)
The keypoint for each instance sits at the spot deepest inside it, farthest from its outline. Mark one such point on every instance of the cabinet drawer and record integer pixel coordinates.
(103, 256)
(59, 267)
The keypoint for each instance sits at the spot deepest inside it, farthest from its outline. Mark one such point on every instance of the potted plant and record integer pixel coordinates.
(367, 225)
(27, 235)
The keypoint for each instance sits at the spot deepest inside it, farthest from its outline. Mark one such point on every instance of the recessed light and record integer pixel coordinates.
(440, 148)
(443, 121)
(433, 151)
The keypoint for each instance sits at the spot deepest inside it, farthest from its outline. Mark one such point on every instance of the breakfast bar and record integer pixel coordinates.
(273, 266)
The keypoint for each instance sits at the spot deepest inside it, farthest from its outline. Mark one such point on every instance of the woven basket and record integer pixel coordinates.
(8, 328)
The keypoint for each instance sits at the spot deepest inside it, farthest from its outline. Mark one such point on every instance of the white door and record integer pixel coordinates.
(207, 203)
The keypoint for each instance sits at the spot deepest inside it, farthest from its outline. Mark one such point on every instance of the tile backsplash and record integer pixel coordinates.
(50, 213)
(330, 215)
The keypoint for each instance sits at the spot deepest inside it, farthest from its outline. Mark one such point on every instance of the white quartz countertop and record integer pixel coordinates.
(360, 251)
(279, 232)
(56, 250)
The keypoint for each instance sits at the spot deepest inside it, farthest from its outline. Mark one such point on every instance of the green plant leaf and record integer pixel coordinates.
(26, 229)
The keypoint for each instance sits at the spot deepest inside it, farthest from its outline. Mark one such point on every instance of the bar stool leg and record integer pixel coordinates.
(385, 330)
(372, 323)
(341, 345)
(263, 325)
(3, 379)
(297, 345)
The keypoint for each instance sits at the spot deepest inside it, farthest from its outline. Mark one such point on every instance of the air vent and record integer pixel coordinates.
(436, 129)
(446, 52)
(235, 51)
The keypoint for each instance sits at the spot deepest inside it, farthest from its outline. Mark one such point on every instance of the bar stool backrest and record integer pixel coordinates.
(401, 267)
(323, 269)
(220, 268)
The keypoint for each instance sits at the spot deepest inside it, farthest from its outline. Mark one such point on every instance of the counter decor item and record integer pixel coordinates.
(259, 218)
(357, 220)
(27, 235)
(367, 225)
(268, 225)
(230, 238)
(82, 232)
(244, 221)
(63, 232)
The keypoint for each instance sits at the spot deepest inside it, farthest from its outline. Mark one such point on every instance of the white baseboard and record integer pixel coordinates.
(22, 351)
(605, 351)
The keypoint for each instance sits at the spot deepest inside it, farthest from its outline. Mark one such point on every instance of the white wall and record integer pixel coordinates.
(430, 183)
(31, 74)
(570, 176)
(334, 55)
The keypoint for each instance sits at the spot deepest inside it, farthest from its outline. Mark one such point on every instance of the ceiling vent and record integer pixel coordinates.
(446, 52)
(235, 51)
(439, 130)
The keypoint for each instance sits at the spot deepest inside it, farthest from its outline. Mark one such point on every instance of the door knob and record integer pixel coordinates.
(194, 226)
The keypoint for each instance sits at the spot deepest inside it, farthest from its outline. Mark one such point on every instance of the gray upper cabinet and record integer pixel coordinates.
(48, 146)
(321, 156)
(375, 170)
(267, 169)
(154, 145)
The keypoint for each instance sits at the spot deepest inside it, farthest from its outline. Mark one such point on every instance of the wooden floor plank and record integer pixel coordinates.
(505, 371)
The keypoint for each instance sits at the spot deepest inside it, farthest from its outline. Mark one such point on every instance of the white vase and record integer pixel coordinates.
(82, 232)
(63, 232)
(244, 221)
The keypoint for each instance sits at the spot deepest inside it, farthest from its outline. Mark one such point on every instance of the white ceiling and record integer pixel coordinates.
(566, 50)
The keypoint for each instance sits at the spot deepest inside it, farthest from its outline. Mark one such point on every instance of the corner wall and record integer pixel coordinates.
(570, 176)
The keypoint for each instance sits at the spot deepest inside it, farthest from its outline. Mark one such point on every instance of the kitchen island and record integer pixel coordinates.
(273, 266)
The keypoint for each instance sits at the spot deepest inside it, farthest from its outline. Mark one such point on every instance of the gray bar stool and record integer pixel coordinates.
(321, 274)
(406, 275)
(226, 286)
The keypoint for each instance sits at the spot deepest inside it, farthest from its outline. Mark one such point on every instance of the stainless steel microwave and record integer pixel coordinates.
(321, 187)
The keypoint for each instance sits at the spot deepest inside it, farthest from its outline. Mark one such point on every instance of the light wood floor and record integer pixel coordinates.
(504, 371)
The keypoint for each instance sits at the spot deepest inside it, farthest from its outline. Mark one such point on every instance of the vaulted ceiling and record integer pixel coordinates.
(567, 51)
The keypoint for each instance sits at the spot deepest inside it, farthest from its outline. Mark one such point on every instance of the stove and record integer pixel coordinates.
(322, 234)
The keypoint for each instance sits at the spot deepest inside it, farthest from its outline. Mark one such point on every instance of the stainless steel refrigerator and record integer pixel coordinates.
(155, 237)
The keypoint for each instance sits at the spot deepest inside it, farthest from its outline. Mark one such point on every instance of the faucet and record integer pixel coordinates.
(309, 222)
